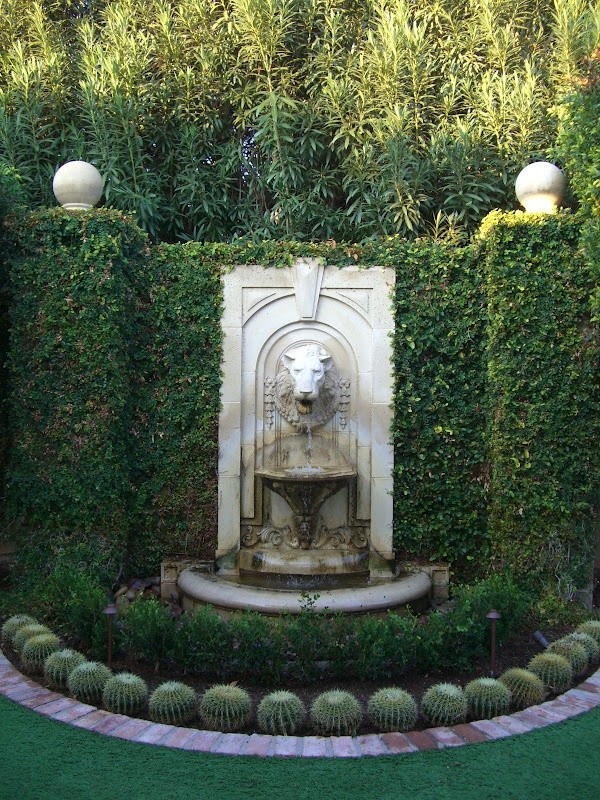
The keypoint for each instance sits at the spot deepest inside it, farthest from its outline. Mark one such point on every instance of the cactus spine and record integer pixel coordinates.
(125, 693)
(444, 704)
(336, 713)
(486, 698)
(554, 671)
(225, 707)
(392, 709)
(12, 625)
(173, 703)
(26, 632)
(526, 688)
(575, 654)
(589, 644)
(59, 665)
(37, 649)
(591, 627)
(280, 713)
(86, 682)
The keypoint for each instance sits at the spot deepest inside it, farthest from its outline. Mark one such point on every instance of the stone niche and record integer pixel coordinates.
(268, 314)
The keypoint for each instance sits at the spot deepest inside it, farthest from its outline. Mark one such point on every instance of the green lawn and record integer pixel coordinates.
(43, 759)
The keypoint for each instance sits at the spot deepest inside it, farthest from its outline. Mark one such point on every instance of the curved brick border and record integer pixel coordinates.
(19, 688)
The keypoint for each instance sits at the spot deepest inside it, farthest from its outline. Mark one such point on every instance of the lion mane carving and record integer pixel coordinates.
(306, 392)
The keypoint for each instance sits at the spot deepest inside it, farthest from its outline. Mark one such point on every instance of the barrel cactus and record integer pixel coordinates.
(444, 704)
(574, 652)
(526, 688)
(125, 693)
(173, 703)
(589, 644)
(12, 625)
(225, 707)
(26, 632)
(554, 670)
(86, 682)
(487, 698)
(336, 713)
(392, 709)
(280, 713)
(59, 665)
(37, 649)
(591, 627)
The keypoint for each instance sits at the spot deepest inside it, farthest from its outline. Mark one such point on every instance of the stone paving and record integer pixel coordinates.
(22, 690)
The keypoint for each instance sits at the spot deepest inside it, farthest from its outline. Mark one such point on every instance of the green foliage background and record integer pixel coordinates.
(114, 370)
(306, 119)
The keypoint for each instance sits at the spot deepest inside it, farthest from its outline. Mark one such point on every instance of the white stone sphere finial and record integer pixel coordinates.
(77, 185)
(540, 187)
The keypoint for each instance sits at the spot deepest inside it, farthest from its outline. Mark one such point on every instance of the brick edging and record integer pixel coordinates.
(19, 688)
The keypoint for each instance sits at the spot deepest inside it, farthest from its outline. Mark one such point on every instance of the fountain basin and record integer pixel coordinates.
(200, 588)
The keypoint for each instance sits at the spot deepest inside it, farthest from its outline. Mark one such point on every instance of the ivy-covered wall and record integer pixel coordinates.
(114, 375)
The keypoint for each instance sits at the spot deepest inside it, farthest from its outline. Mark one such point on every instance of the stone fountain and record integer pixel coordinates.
(305, 460)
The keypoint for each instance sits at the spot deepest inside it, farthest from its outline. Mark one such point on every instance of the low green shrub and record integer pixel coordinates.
(149, 631)
(173, 703)
(526, 688)
(336, 713)
(392, 709)
(204, 642)
(125, 693)
(256, 650)
(59, 665)
(225, 707)
(37, 649)
(86, 682)
(280, 713)
(554, 671)
(487, 698)
(444, 704)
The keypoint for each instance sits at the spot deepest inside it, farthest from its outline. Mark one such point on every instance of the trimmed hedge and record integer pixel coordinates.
(114, 368)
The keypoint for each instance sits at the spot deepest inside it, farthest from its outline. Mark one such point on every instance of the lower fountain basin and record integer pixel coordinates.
(200, 588)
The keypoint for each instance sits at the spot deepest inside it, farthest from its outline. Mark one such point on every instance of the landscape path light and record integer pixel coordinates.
(77, 185)
(111, 611)
(493, 617)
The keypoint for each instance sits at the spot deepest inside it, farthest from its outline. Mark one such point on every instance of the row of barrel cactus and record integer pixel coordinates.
(228, 707)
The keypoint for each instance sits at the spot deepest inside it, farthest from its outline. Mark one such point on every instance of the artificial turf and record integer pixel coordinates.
(42, 759)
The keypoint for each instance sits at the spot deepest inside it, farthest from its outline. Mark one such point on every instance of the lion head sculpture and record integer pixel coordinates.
(306, 392)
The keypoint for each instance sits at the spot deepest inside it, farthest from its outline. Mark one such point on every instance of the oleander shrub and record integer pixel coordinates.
(173, 703)
(554, 670)
(37, 648)
(526, 688)
(87, 681)
(125, 693)
(281, 712)
(225, 707)
(444, 704)
(486, 698)
(59, 665)
(392, 709)
(336, 713)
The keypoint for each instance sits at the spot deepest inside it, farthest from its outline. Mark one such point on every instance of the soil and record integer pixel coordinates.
(517, 652)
